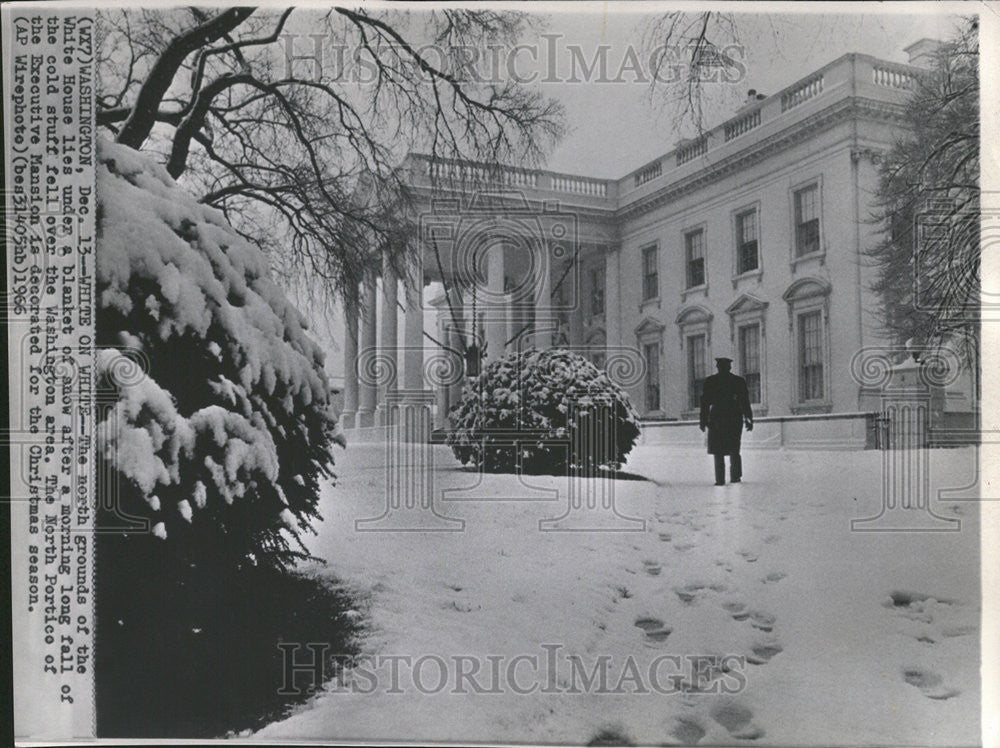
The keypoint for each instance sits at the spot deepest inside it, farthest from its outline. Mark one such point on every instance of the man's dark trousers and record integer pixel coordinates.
(735, 468)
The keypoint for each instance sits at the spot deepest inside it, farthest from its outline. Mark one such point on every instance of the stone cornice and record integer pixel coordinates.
(841, 110)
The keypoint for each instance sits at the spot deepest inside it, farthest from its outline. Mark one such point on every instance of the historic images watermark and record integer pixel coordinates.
(551, 670)
(549, 60)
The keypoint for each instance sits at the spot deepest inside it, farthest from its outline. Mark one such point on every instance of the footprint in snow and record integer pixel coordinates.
(748, 556)
(665, 537)
(774, 576)
(737, 719)
(611, 735)
(771, 539)
(930, 683)
(652, 568)
(937, 618)
(654, 630)
(761, 620)
(762, 653)
(687, 731)
(689, 592)
(683, 546)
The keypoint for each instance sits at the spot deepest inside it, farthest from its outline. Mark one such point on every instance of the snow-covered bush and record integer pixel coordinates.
(534, 403)
(220, 426)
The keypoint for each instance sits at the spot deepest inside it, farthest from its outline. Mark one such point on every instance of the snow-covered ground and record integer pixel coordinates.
(849, 637)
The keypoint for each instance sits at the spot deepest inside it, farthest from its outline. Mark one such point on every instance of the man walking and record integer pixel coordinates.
(725, 408)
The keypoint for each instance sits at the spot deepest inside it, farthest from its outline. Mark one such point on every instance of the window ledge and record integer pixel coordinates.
(809, 408)
(654, 414)
(748, 275)
(821, 256)
(649, 302)
(691, 414)
(703, 288)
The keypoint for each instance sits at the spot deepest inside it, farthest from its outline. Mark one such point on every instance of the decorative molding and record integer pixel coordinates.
(845, 109)
(807, 288)
(649, 327)
(746, 303)
(874, 155)
(693, 314)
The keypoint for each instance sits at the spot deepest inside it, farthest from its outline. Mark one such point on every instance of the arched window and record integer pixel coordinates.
(695, 326)
(746, 330)
(808, 302)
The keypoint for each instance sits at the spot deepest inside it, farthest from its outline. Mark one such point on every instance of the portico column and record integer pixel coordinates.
(388, 344)
(413, 330)
(441, 390)
(544, 316)
(496, 313)
(612, 297)
(367, 394)
(456, 325)
(349, 414)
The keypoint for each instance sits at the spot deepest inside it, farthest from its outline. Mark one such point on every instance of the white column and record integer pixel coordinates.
(367, 394)
(413, 330)
(389, 337)
(574, 286)
(544, 316)
(456, 328)
(441, 390)
(612, 297)
(496, 312)
(347, 417)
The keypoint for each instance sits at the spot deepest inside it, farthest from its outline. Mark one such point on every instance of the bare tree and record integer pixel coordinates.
(293, 122)
(928, 262)
(689, 53)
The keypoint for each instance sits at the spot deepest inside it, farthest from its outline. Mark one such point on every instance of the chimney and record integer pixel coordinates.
(922, 53)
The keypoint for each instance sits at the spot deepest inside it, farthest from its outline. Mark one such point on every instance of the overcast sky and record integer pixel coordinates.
(615, 128)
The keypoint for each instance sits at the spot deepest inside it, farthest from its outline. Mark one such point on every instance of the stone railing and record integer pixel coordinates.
(686, 151)
(579, 185)
(648, 173)
(890, 76)
(472, 173)
(807, 89)
(742, 124)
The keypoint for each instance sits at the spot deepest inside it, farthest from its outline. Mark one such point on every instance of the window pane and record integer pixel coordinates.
(694, 248)
(810, 357)
(750, 360)
(696, 369)
(746, 242)
(650, 283)
(807, 220)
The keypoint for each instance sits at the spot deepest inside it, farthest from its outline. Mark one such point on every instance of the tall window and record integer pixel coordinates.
(650, 282)
(746, 242)
(696, 369)
(596, 291)
(749, 341)
(807, 220)
(810, 356)
(651, 352)
(694, 250)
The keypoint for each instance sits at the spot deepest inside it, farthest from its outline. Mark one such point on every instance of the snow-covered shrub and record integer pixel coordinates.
(221, 443)
(524, 401)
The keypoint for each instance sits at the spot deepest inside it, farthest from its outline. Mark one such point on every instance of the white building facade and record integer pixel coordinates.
(747, 242)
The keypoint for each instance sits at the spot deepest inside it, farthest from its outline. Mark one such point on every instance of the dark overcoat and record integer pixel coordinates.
(725, 402)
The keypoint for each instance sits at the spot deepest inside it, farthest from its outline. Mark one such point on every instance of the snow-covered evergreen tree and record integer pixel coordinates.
(221, 442)
(540, 399)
